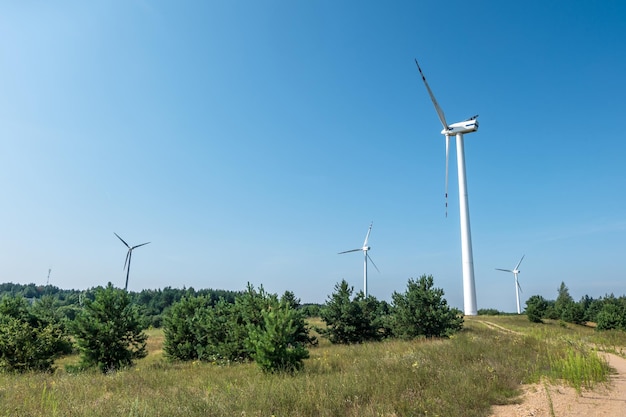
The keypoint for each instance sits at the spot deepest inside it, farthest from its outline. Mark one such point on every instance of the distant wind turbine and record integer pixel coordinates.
(48, 280)
(458, 129)
(129, 255)
(518, 289)
(366, 256)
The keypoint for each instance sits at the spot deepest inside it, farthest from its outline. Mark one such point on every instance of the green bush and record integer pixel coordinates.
(279, 343)
(28, 342)
(108, 331)
(536, 307)
(24, 347)
(488, 312)
(182, 338)
(612, 316)
(221, 333)
(351, 320)
(422, 311)
(194, 329)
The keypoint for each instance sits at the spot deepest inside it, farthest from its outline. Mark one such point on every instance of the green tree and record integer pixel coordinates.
(108, 331)
(422, 311)
(536, 307)
(28, 342)
(488, 312)
(612, 315)
(593, 308)
(290, 298)
(573, 313)
(195, 329)
(183, 340)
(17, 307)
(279, 344)
(349, 320)
(563, 302)
(247, 313)
(311, 310)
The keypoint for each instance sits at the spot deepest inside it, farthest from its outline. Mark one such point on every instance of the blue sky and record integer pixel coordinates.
(252, 141)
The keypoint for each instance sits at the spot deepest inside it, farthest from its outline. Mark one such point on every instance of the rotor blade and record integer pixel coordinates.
(368, 234)
(127, 258)
(370, 258)
(520, 261)
(134, 247)
(118, 236)
(432, 97)
(353, 250)
(519, 286)
(505, 270)
(447, 159)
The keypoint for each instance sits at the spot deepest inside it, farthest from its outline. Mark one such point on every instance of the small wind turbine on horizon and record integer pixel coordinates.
(518, 289)
(129, 255)
(366, 256)
(458, 129)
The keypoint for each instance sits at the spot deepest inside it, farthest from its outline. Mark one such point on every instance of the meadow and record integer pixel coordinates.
(482, 365)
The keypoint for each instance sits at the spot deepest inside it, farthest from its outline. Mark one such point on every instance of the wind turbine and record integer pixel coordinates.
(129, 255)
(515, 271)
(366, 256)
(458, 129)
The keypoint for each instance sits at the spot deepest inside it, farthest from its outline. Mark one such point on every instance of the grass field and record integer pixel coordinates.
(461, 376)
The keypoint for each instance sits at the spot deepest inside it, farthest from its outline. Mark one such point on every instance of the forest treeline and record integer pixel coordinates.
(152, 303)
(608, 312)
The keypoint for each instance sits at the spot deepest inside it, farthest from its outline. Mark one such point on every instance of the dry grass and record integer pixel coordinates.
(461, 376)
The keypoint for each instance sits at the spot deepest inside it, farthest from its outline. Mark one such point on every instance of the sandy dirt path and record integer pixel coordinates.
(544, 400)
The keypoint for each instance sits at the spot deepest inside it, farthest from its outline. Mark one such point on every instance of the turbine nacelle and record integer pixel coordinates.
(466, 126)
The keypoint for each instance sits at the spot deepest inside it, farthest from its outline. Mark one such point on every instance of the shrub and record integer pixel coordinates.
(279, 343)
(221, 333)
(612, 316)
(196, 330)
(422, 311)
(182, 339)
(573, 313)
(536, 307)
(108, 331)
(311, 310)
(563, 301)
(488, 312)
(26, 341)
(350, 320)
(24, 348)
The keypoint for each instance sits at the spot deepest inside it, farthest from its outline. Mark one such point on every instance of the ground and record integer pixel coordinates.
(546, 400)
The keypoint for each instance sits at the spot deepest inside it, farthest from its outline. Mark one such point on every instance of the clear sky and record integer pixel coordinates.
(250, 141)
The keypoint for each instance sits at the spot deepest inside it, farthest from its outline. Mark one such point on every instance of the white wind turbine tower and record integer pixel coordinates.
(365, 248)
(458, 129)
(515, 271)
